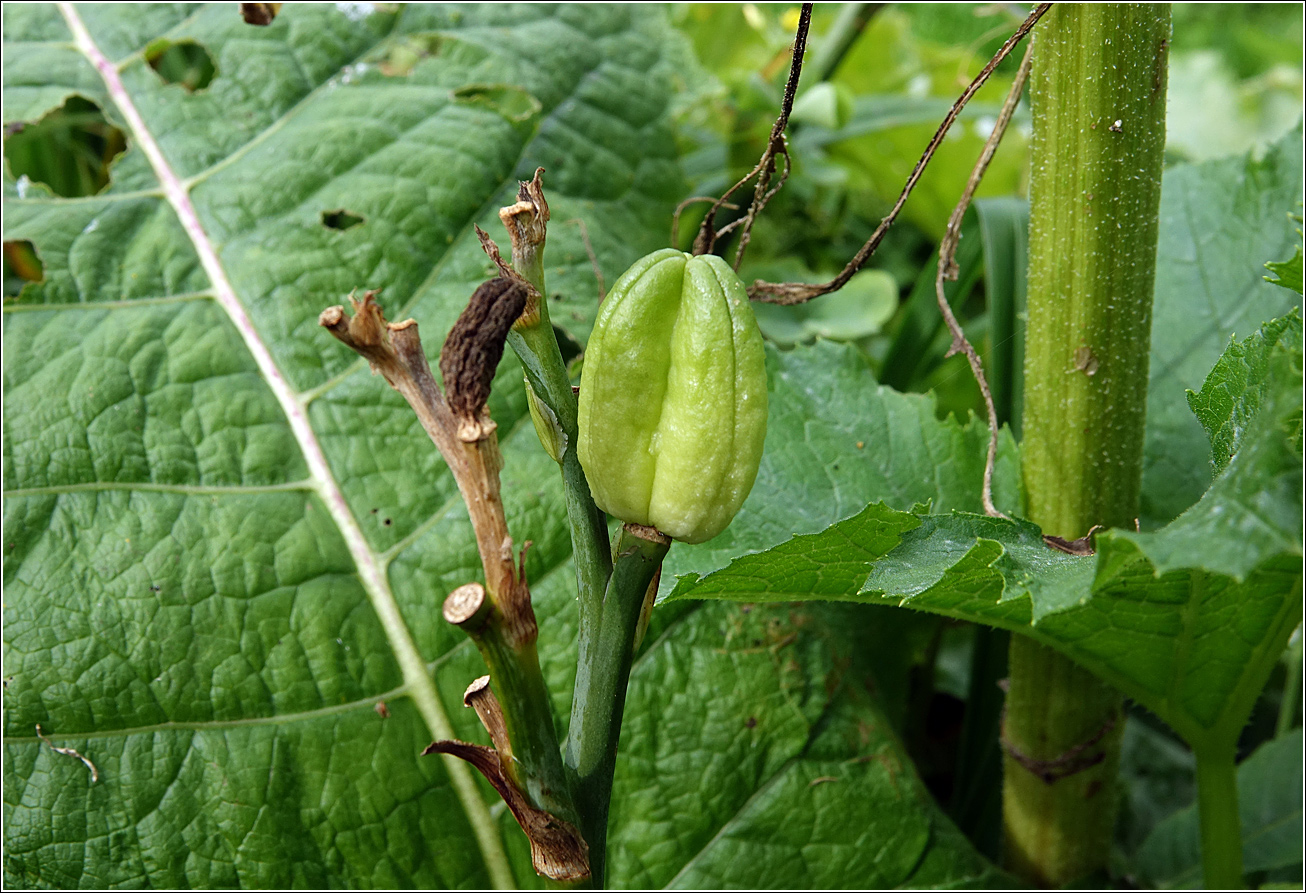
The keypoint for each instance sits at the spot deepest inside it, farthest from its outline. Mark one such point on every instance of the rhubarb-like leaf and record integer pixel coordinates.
(1187, 620)
(209, 503)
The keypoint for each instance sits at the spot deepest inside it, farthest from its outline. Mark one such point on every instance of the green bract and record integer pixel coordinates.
(673, 397)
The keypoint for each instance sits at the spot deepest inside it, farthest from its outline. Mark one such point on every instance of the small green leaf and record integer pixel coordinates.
(1219, 221)
(1236, 386)
(1287, 273)
(1270, 806)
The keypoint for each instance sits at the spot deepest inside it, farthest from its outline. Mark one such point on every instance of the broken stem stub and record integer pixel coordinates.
(558, 851)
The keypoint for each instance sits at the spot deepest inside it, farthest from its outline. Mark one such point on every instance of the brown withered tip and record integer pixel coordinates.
(366, 332)
(558, 851)
(474, 347)
(645, 532)
(479, 684)
(259, 13)
(1082, 547)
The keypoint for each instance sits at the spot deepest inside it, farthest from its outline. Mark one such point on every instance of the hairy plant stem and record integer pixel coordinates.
(601, 678)
(1217, 809)
(1098, 96)
(836, 42)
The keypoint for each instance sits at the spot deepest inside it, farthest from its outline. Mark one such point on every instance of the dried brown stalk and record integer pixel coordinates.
(467, 441)
(799, 292)
(525, 764)
(705, 241)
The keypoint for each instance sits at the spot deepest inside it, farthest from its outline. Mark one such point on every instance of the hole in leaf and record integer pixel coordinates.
(183, 62)
(402, 55)
(69, 150)
(510, 101)
(22, 265)
(259, 13)
(341, 219)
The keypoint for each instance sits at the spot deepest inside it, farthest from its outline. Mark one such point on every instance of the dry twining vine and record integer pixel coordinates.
(801, 292)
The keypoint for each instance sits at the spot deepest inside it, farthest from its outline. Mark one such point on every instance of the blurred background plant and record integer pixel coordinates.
(877, 80)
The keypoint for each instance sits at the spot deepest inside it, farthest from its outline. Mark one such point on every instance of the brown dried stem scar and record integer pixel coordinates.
(1086, 361)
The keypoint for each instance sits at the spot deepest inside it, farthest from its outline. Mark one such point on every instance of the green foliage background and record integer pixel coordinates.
(181, 608)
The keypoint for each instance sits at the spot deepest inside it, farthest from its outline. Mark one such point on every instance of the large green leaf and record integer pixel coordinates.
(207, 499)
(1188, 620)
(1220, 221)
(226, 543)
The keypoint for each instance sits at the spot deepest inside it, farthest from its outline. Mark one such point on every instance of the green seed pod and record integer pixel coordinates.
(673, 397)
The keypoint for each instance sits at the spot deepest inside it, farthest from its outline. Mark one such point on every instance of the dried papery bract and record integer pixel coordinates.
(527, 221)
(473, 349)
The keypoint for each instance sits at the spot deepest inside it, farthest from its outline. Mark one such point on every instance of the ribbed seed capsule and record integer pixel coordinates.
(673, 397)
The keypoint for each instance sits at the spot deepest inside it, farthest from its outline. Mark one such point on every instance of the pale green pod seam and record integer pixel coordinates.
(751, 406)
(619, 435)
(696, 431)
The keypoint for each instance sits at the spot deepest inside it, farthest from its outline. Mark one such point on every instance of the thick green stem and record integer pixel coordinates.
(536, 346)
(1217, 805)
(601, 678)
(1062, 740)
(536, 765)
(1098, 96)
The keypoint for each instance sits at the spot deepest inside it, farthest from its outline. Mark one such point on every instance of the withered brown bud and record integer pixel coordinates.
(474, 347)
(259, 13)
